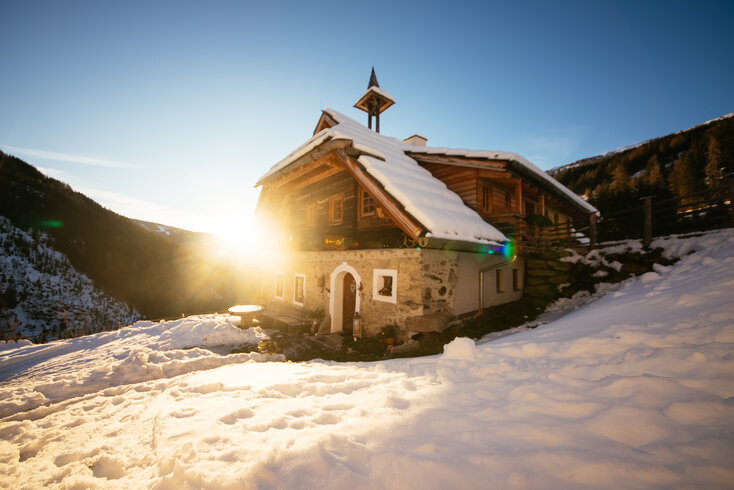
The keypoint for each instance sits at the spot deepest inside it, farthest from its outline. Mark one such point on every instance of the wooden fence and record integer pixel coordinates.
(705, 210)
(647, 218)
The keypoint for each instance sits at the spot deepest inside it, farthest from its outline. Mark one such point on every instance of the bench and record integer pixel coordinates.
(292, 317)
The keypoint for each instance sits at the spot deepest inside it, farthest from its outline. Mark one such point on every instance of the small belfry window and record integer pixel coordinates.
(280, 285)
(336, 209)
(299, 288)
(367, 207)
(385, 285)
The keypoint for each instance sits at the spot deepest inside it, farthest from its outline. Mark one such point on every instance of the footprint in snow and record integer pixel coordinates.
(243, 413)
(184, 412)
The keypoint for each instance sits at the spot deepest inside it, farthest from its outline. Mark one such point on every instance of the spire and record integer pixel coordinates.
(374, 101)
(373, 80)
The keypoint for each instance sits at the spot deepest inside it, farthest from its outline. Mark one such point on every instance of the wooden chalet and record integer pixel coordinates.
(402, 233)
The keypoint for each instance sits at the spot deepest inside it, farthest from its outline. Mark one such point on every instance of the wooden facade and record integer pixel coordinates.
(331, 203)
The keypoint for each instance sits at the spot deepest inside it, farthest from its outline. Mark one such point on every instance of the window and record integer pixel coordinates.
(516, 280)
(367, 204)
(385, 285)
(486, 198)
(311, 215)
(500, 281)
(299, 289)
(280, 285)
(508, 200)
(336, 209)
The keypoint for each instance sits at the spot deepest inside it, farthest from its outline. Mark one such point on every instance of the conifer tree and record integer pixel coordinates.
(620, 179)
(682, 179)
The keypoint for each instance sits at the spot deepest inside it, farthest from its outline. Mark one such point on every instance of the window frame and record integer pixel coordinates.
(363, 196)
(500, 280)
(296, 277)
(378, 285)
(333, 220)
(486, 198)
(516, 286)
(280, 275)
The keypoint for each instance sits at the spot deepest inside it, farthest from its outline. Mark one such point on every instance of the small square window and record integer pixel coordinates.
(385, 285)
(280, 285)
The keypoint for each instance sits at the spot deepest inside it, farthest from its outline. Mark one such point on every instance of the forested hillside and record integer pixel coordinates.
(43, 297)
(157, 275)
(671, 166)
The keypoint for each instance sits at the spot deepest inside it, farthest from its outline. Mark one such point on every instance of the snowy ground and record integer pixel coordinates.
(633, 390)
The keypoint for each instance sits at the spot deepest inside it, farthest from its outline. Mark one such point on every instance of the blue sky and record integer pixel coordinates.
(170, 111)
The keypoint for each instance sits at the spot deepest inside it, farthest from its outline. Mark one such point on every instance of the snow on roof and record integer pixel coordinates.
(509, 157)
(437, 208)
(378, 90)
(427, 199)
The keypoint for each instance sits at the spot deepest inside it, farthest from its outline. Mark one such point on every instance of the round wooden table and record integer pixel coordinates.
(245, 312)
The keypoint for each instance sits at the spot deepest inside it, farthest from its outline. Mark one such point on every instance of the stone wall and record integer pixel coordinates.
(544, 274)
(431, 286)
(320, 267)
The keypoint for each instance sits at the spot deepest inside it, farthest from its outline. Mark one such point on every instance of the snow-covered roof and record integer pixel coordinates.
(426, 198)
(439, 210)
(509, 157)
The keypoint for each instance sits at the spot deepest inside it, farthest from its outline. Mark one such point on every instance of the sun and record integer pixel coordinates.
(238, 235)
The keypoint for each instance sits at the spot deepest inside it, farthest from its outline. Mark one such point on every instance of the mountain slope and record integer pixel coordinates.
(155, 274)
(43, 297)
(675, 165)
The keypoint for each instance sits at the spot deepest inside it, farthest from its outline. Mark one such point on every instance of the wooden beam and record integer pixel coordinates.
(541, 203)
(507, 181)
(457, 161)
(389, 206)
(328, 172)
(518, 198)
(496, 174)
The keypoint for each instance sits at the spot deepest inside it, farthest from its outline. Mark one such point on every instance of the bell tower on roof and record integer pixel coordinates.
(374, 101)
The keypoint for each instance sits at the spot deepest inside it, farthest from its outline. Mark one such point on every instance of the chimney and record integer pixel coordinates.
(416, 140)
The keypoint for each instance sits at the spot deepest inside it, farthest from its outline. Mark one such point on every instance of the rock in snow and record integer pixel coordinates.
(632, 390)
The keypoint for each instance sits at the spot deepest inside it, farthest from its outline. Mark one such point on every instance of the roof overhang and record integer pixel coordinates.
(384, 100)
(459, 245)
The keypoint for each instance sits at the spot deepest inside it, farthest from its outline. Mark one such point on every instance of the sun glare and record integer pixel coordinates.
(243, 240)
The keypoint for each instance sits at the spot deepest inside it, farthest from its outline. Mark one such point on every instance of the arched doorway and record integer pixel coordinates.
(344, 299)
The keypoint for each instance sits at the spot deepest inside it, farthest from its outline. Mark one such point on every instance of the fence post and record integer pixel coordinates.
(731, 201)
(647, 221)
(592, 230)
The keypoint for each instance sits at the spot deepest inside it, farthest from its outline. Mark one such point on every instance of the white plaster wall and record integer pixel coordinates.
(467, 287)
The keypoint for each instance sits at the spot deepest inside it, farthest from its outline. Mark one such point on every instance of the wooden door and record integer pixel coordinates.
(349, 297)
